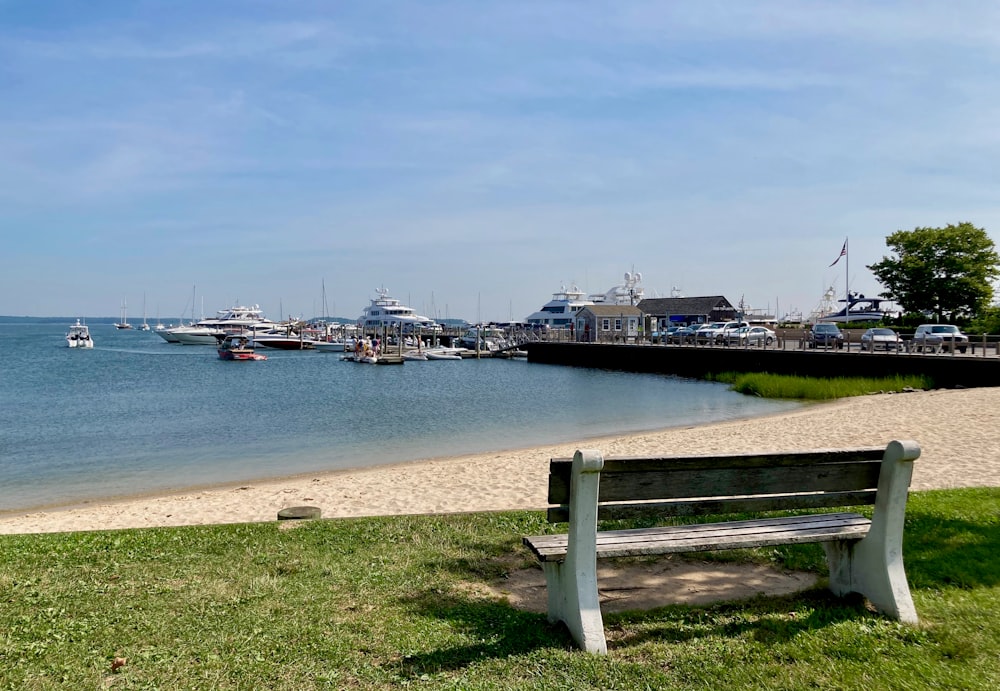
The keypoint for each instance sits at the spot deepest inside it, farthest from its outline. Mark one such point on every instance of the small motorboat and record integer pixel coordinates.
(238, 347)
(442, 353)
(79, 336)
(338, 346)
(283, 339)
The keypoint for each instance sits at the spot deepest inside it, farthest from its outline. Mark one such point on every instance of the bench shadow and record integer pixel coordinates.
(505, 630)
(767, 619)
(502, 630)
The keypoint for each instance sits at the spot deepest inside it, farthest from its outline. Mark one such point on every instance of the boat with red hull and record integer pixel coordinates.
(237, 347)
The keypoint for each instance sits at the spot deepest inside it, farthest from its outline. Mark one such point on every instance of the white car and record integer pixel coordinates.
(934, 337)
(706, 332)
(722, 335)
(751, 335)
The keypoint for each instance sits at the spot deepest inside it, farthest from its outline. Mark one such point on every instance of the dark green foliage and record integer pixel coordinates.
(948, 272)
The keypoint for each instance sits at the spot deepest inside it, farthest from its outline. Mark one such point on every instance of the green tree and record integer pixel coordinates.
(988, 322)
(948, 271)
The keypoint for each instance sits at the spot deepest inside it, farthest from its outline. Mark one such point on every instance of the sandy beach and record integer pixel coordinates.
(956, 429)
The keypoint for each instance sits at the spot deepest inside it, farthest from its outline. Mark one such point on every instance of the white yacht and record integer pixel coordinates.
(208, 331)
(489, 338)
(388, 312)
(79, 336)
(627, 293)
(193, 335)
(558, 312)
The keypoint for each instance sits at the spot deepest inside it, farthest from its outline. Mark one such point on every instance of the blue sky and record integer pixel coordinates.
(474, 156)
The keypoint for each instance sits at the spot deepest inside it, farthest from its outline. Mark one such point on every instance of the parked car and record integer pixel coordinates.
(664, 335)
(722, 335)
(751, 335)
(825, 336)
(706, 332)
(936, 337)
(887, 339)
(685, 334)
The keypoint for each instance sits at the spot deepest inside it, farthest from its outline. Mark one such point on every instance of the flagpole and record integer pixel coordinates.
(847, 285)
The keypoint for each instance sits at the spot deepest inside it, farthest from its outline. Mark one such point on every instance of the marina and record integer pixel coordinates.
(139, 415)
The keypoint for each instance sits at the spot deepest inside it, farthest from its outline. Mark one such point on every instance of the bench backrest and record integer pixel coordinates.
(699, 485)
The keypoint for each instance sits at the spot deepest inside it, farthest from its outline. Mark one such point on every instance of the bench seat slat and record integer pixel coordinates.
(711, 536)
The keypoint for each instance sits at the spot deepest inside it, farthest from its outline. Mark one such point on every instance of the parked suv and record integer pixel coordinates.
(706, 332)
(825, 336)
(936, 337)
(722, 335)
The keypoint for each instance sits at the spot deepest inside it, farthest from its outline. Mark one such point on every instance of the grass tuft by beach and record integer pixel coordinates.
(767, 385)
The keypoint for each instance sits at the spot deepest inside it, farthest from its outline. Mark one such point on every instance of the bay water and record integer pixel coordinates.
(136, 415)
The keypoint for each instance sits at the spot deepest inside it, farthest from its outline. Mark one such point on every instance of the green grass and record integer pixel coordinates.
(768, 385)
(381, 603)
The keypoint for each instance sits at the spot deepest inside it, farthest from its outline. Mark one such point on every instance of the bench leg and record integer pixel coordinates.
(573, 600)
(572, 584)
(873, 566)
(869, 568)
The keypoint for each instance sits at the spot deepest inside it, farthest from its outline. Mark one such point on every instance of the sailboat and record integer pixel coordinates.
(123, 324)
(145, 325)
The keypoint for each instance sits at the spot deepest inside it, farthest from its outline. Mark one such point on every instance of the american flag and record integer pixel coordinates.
(843, 251)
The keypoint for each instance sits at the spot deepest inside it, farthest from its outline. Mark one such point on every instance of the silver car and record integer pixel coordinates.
(750, 335)
(886, 339)
(935, 337)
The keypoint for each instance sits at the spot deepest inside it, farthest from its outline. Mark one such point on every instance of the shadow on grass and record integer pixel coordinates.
(769, 620)
(504, 631)
(501, 630)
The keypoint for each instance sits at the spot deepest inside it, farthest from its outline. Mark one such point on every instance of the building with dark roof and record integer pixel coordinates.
(664, 312)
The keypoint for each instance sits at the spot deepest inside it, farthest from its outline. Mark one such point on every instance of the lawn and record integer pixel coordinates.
(403, 601)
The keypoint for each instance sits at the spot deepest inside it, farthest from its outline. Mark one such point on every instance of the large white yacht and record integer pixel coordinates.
(558, 312)
(388, 312)
(627, 293)
(209, 331)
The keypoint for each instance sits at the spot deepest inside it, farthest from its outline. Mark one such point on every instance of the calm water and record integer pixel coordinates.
(137, 415)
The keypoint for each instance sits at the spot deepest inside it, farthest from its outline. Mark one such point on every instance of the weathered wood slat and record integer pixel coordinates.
(710, 536)
(782, 522)
(706, 507)
(747, 460)
(669, 483)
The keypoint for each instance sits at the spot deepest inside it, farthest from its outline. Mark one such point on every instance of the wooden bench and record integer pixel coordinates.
(864, 556)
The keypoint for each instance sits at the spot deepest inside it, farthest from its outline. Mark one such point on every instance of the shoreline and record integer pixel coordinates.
(227, 485)
(956, 430)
